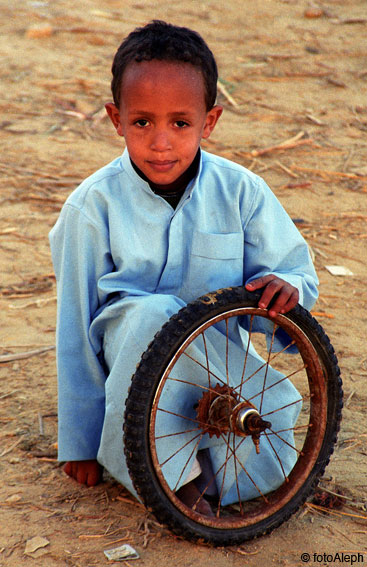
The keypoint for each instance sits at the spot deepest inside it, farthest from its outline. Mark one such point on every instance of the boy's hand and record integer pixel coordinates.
(85, 472)
(287, 294)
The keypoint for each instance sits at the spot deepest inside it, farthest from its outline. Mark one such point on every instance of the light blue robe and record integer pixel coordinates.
(125, 261)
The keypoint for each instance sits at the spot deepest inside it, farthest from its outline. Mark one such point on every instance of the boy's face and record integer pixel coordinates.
(163, 117)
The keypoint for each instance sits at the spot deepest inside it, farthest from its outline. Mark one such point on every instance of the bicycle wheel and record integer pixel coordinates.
(261, 397)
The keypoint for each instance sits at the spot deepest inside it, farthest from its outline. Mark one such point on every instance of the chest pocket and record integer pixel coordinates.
(216, 261)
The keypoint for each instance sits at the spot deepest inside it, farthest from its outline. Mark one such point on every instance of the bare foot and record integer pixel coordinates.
(190, 495)
(84, 472)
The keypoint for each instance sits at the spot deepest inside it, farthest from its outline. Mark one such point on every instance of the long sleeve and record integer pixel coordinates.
(80, 256)
(273, 245)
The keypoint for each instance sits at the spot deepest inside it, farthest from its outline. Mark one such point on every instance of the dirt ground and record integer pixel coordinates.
(291, 72)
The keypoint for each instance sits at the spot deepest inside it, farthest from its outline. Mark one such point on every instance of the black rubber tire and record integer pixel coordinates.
(138, 449)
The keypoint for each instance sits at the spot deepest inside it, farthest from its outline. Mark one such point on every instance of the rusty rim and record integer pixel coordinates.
(306, 370)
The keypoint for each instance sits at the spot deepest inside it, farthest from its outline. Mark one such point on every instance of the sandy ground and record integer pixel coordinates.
(291, 77)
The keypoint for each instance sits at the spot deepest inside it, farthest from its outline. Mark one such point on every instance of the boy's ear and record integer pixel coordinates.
(114, 114)
(212, 118)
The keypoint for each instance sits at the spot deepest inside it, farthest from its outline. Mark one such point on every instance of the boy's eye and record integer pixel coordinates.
(142, 123)
(181, 123)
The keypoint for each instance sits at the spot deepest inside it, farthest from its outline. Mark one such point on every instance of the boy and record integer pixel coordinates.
(156, 228)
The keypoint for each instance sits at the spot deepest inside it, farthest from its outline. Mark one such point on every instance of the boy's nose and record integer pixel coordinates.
(161, 141)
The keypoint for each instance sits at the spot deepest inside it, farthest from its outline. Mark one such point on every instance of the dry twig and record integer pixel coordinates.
(294, 142)
(130, 501)
(222, 89)
(23, 355)
(36, 284)
(36, 303)
(326, 173)
(322, 314)
(9, 449)
(334, 512)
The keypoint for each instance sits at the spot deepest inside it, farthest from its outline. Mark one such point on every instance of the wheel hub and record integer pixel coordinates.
(220, 412)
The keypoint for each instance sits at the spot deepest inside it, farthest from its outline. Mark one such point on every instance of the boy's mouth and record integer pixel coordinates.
(162, 165)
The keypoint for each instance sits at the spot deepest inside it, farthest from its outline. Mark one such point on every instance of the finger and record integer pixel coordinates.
(286, 300)
(258, 283)
(273, 287)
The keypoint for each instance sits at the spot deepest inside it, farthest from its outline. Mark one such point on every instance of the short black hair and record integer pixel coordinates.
(166, 42)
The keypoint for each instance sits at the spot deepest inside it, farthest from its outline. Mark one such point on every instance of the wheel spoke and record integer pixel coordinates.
(246, 356)
(175, 414)
(294, 429)
(242, 466)
(273, 357)
(187, 461)
(224, 465)
(227, 352)
(236, 477)
(266, 370)
(206, 357)
(202, 366)
(189, 383)
(282, 408)
(215, 475)
(223, 480)
(284, 441)
(177, 433)
(277, 456)
(276, 383)
(200, 435)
